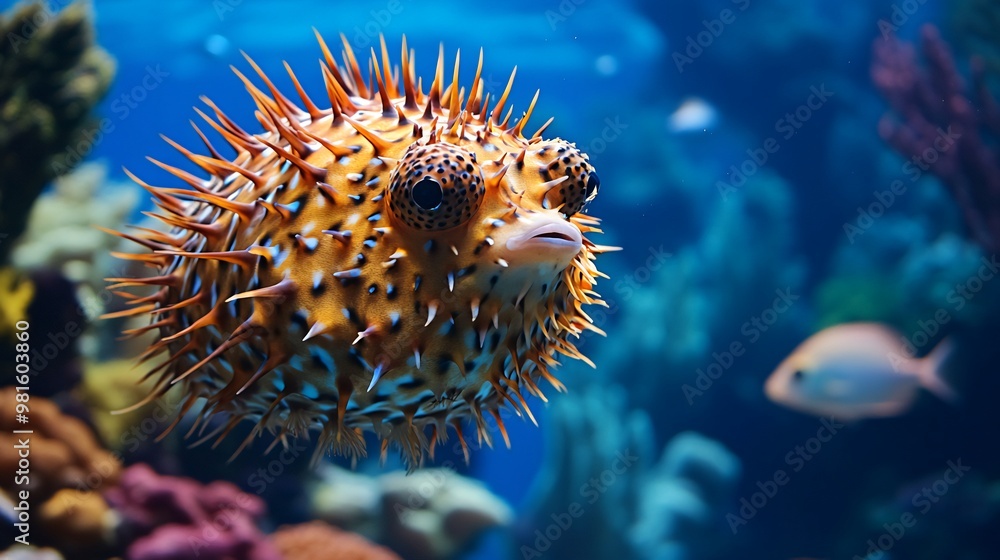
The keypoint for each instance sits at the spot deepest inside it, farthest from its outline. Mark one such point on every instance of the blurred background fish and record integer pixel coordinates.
(857, 370)
(693, 114)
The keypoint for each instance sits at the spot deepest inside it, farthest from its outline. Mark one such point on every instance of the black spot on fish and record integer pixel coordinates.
(349, 281)
(318, 289)
(352, 316)
(444, 361)
(412, 384)
(355, 357)
(467, 271)
(300, 319)
(319, 363)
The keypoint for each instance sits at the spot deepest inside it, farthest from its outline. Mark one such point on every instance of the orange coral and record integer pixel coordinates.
(63, 451)
(321, 541)
(77, 519)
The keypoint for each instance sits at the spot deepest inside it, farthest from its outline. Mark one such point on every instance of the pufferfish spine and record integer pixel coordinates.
(398, 262)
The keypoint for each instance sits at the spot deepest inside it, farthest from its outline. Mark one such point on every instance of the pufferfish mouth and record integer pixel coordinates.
(547, 234)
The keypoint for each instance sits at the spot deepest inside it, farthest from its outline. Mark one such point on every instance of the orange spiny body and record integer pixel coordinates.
(398, 262)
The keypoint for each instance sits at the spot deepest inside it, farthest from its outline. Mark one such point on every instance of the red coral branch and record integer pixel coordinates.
(943, 129)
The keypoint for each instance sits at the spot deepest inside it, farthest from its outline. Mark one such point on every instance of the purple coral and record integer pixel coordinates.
(942, 128)
(171, 518)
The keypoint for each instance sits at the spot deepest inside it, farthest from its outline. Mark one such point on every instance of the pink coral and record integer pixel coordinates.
(943, 128)
(171, 518)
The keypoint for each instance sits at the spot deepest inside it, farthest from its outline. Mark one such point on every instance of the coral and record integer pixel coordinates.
(111, 386)
(51, 76)
(941, 127)
(108, 387)
(684, 495)
(16, 292)
(172, 518)
(580, 446)
(57, 323)
(78, 521)
(68, 469)
(857, 296)
(435, 513)
(427, 514)
(347, 499)
(639, 508)
(322, 541)
(902, 272)
(61, 233)
(64, 452)
(62, 239)
(31, 553)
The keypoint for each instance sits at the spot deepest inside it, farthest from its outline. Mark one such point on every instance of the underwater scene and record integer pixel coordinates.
(547, 279)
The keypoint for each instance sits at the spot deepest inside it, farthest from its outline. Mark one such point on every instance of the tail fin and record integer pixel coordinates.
(930, 372)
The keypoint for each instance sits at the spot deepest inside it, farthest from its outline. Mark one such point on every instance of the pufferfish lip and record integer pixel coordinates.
(547, 233)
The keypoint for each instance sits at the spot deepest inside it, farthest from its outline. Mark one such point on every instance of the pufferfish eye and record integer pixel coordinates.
(593, 184)
(798, 375)
(579, 187)
(436, 186)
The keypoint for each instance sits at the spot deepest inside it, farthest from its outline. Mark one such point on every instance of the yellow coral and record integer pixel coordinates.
(16, 292)
(78, 520)
(111, 386)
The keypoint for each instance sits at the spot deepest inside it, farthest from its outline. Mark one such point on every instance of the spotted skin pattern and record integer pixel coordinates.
(398, 263)
(451, 170)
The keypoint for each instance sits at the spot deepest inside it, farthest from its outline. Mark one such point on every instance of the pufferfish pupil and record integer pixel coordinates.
(427, 194)
(401, 262)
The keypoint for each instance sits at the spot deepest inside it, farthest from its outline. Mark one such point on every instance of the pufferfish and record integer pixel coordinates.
(397, 263)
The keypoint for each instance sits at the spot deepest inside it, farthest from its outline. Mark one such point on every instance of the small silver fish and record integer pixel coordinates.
(854, 371)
